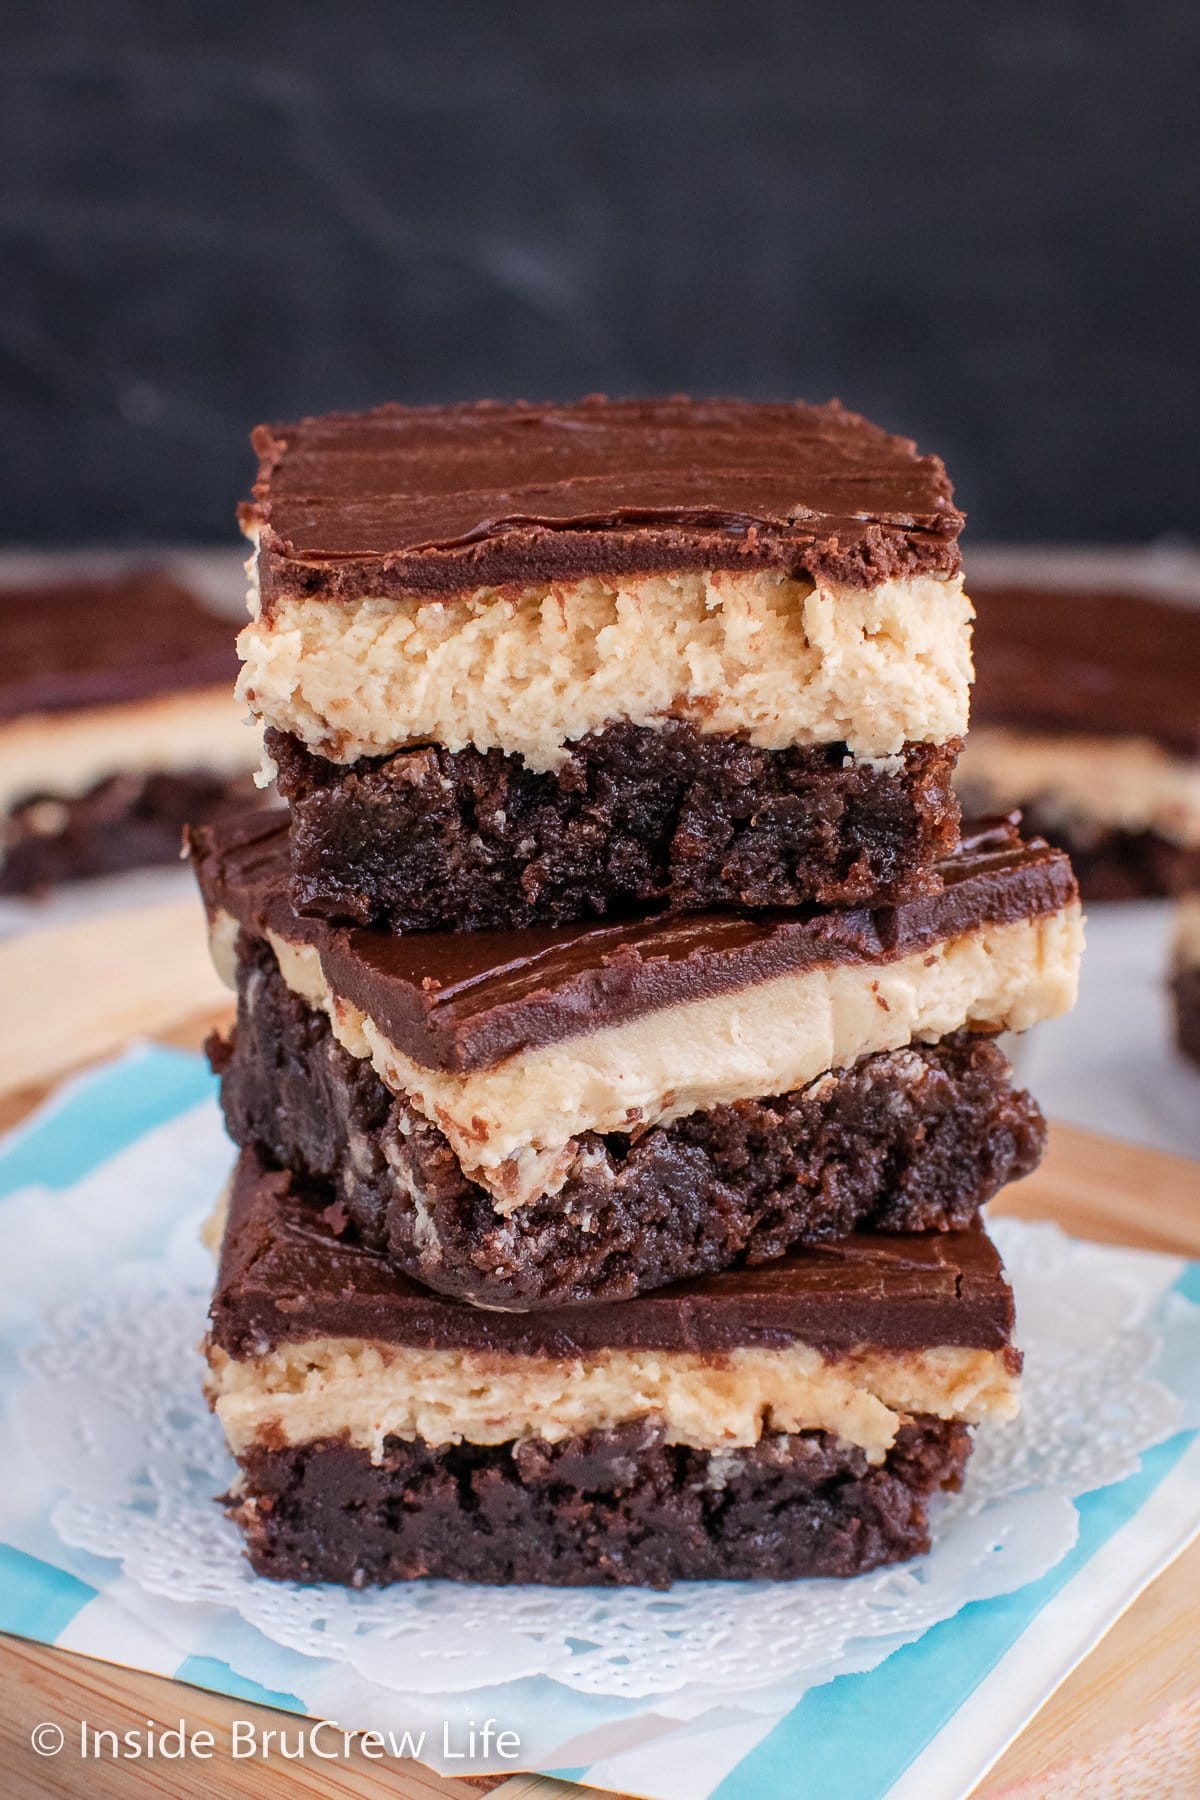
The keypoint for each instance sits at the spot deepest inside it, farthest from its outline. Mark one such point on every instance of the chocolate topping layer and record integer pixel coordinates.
(285, 1276)
(462, 1001)
(73, 644)
(1084, 660)
(430, 501)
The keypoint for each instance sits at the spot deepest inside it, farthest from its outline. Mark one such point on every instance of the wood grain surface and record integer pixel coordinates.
(1126, 1723)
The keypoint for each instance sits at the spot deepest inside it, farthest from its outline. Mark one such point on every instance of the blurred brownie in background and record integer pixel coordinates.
(118, 726)
(1185, 976)
(1086, 716)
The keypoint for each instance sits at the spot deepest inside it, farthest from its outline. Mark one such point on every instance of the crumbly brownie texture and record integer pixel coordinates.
(434, 500)
(433, 840)
(913, 1140)
(1185, 990)
(618, 1508)
(126, 822)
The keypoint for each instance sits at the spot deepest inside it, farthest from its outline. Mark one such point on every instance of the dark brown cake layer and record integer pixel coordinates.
(463, 1001)
(67, 645)
(126, 822)
(617, 1507)
(430, 501)
(431, 840)
(288, 1274)
(915, 1140)
(1185, 992)
(1087, 661)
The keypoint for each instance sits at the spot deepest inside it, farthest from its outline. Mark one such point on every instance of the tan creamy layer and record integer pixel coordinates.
(366, 1392)
(1118, 783)
(1185, 947)
(779, 660)
(514, 1126)
(66, 754)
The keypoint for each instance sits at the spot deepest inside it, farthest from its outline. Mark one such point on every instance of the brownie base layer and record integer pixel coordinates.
(912, 1140)
(1185, 991)
(617, 1508)
(125, 822)
(432, 840)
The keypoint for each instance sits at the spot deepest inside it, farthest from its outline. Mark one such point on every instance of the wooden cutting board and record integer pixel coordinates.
(1127, 1720)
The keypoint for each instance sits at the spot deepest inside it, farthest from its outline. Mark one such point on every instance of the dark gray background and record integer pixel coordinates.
(978, 224)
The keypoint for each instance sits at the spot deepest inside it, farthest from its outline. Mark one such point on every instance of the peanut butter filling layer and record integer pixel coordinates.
(366, 1392)
(784, 661)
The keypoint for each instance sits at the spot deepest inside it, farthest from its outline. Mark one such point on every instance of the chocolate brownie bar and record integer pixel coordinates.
(117, 726)
(907, 1140)
(1087, 718)
(784, 1421)
(535, 664)
(1185, 976)
(525, 1050)
(124, 822)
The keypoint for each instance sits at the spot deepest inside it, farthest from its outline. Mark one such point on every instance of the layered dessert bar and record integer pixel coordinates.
(786, 1421)
(590, 1111)
(526, 665)
(1185, 976)
(118, 725)
(1086, 716)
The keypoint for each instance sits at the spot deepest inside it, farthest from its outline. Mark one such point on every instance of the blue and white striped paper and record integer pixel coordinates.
(929, 1720)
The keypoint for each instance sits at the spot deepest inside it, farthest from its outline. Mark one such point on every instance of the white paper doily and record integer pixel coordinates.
(113, 1410)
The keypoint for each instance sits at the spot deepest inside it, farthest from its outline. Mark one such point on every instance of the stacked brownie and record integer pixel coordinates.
(615, 1074)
